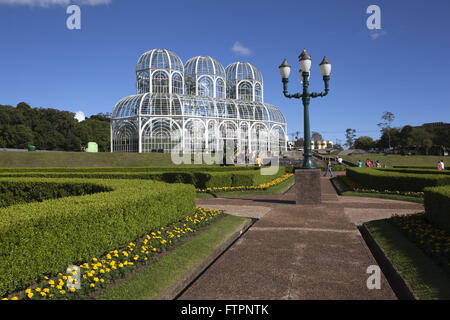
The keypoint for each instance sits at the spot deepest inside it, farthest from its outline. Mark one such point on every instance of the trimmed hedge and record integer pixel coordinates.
(437, 206)
(417, 170)
(133, 169)
(24, 191)
(395, 181)
(43, 238)
(200, 179)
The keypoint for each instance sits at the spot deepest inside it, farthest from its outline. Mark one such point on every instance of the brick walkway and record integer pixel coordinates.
(297, 252)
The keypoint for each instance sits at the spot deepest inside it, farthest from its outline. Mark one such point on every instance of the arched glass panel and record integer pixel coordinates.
(212, 136)
(160, 82)
(177, 83)
(245, 91)
(259, 137)
(194, 136)
(160, 105)
(277, 140)
(143, 82)
(220, 90)
(161, 135)
(205, 87)
(125, 137)
(258, 93)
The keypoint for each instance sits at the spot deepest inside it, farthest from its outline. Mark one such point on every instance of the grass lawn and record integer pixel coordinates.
(345, 190)
(398, 160)
(151, 282)
(427, 278)
(277, 189)
(83, 159)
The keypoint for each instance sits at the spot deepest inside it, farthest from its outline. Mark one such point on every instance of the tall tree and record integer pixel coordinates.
(388, 118)
(350, 135)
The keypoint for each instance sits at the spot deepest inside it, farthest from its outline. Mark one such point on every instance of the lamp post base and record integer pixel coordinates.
(307, 186)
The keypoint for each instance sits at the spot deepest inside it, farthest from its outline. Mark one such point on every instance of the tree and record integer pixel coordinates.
(365, 143)
(388, 117)
(350, 135)
(390, 136)
(316, 136)
(427, 143)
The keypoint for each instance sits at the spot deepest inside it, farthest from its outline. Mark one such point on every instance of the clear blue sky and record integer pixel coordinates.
(403, 69)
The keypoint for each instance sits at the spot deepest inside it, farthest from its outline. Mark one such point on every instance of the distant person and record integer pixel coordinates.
(439, 165)
(328, 168)
(340, 161)
(258, 161)
(442, 165)
(359, 164)
(378, 164)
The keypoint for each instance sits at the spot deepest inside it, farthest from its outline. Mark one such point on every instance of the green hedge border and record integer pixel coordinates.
(437, 206)
(43, 238)
(397, 181)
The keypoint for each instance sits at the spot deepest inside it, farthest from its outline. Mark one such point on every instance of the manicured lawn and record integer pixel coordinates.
(426, 277)
(398, 160)
(83, 159)
(154, 280)
(277, 189)
(345, 190)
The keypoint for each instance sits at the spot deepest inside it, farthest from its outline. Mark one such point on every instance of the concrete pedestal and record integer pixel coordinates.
(307, 184)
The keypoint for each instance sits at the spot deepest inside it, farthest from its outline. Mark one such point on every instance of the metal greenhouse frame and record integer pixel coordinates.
(196, 108)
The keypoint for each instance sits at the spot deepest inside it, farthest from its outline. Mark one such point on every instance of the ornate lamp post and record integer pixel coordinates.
(305, 66)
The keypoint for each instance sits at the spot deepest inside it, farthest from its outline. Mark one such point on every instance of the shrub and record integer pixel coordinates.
(437, 206)
(417, 170)
(13, 191)
(200, 179)
(42, 238)
(395, 181)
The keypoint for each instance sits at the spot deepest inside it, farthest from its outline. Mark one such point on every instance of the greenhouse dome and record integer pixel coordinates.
(204, 76)
(244, 82)
(190, 109)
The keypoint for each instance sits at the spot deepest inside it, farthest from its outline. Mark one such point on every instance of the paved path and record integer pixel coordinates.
(297, 252)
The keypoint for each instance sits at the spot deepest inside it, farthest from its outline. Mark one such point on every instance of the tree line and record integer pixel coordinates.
(51, 129)
(425, 139)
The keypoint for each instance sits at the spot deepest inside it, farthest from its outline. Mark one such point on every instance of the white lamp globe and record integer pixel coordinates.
(285, 69)
(305, 61)
(325, 67)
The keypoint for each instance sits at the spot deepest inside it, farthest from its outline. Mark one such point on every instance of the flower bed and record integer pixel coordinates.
(262, 186)
(433, 241)
(99, 272)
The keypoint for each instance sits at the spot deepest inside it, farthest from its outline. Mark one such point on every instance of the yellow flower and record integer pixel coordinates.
(72, 290)
(92, 285)
(62, 291)
(30, 295)
(14, 298)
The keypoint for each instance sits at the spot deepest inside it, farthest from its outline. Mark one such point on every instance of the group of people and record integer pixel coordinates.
(370, 164)
(440, 165)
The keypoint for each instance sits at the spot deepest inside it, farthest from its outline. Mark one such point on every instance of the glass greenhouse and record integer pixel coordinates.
(198, 107)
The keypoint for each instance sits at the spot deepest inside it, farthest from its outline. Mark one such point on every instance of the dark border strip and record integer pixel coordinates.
(182, 284)
(400, 286)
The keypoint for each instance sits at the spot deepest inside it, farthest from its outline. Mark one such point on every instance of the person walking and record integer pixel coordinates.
(439, 166)
(442, 165)
(328, 168)
(359, 164)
